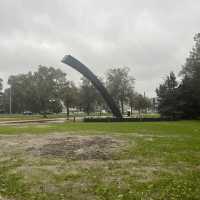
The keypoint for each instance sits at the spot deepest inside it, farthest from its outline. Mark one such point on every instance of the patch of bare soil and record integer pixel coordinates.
(78, 147)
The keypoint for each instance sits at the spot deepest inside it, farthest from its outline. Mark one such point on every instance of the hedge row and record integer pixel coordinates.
(112, 119)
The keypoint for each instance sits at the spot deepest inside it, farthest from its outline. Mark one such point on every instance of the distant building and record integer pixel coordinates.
(154, 102)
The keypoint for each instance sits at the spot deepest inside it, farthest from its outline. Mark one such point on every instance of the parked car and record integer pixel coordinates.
(27, 112)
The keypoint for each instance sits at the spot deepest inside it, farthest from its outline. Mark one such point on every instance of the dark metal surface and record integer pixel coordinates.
(77, 65)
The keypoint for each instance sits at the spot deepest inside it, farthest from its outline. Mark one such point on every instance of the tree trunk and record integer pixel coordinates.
(139, 113)
(67, 111)
(131, 110)
(122, 107)
(88, 110)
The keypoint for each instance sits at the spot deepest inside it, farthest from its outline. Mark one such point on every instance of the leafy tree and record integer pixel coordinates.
(1, 95)
(88, 96)
(1, 85)
(100, 102)
(18, 92)
(132, 100)
(48, 84)
(5, 100)
(141, 103)
(69, 95)
(33, 91)
(120, 83)
(55, 105)
(167, 97)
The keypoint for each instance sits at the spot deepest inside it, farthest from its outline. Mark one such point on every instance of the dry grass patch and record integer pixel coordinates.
(73, 147)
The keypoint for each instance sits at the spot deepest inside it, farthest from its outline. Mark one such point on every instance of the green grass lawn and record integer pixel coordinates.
(158, 160)
(18, 117)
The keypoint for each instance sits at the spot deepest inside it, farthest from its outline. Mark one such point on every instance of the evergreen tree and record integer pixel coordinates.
(1, 85)
(167, 97)
(189, 94)
(1, 95)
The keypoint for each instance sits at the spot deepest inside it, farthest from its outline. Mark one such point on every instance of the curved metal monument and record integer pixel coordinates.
(77, 65)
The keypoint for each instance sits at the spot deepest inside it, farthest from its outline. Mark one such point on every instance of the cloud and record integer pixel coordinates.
(151, 37)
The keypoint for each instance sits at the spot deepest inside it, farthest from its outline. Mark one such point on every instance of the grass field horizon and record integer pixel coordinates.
(18, 117)
(102, 161)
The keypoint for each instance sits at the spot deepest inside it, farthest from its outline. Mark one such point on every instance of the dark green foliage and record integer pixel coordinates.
(1, 95)
(111, 119)
(167, 97)
(138, 102)
(70, 95)
(37, 92)
(189, 94)
(141, 103)
(182, 100)
(89, 96)
(1, 84)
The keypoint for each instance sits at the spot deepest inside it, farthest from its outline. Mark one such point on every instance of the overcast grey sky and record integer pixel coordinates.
(151, 37)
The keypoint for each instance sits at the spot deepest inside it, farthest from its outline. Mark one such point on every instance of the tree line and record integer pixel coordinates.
(49, 90)
(181, 99)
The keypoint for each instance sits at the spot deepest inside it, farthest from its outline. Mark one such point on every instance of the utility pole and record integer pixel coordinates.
(10, 99)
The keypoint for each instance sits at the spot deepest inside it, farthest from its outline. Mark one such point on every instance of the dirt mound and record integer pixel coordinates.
(79, 147)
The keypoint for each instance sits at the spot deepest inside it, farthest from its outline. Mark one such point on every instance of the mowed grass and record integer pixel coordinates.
(19, 117)
(159, 160)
